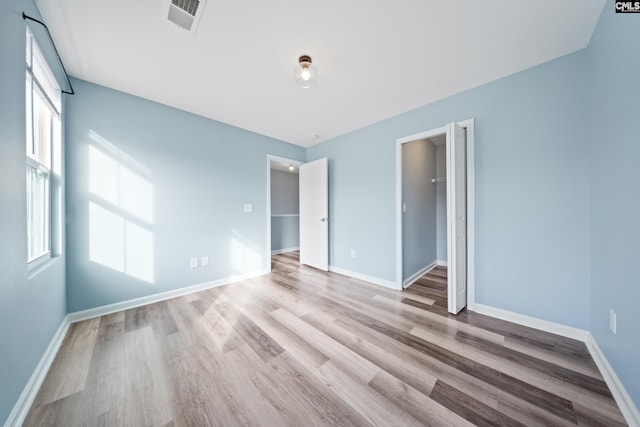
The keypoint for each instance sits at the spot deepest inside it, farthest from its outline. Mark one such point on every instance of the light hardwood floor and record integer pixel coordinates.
(300, 347)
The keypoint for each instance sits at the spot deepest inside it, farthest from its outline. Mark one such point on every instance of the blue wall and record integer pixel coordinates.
(285, 233)
(32, 305)
(532, 190)
(614, 112)
(285, 200)
(191, 178)
(419, 225)
(556, 195)
(285, 193)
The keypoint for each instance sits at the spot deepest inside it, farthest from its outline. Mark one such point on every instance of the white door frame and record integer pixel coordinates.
(270, 158)
(469, 125)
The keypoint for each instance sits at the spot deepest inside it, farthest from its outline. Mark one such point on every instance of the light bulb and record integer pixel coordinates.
(305, 72)
(291, 167)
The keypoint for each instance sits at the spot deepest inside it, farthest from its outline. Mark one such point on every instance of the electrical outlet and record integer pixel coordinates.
(404, 207)
(248, 208)
(194, 263)
(613, 321)
(353, 253)
(204, 261)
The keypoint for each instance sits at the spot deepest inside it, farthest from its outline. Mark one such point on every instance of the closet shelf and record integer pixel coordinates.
(438, 180)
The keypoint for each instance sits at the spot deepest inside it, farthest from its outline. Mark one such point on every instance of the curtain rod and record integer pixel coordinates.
(73, 92)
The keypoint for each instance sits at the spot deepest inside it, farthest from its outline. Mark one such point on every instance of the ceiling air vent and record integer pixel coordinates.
(185, 13)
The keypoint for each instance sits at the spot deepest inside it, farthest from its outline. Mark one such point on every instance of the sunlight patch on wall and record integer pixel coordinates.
(106, 237)
(245, 255)
(120, 244)
(103, 175)
(119, 185)
(138, 252)
(120, 212)
(135, 195)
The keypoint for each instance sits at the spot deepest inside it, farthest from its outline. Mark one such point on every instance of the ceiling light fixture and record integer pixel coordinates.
(291, 168)
(305, 72)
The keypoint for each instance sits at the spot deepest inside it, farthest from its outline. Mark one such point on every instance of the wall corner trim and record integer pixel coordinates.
(418, 274)
(376, 281)
(532, 322)
(28, 395)
(622, 398)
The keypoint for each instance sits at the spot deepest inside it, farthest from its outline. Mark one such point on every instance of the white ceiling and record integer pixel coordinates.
(375, 59)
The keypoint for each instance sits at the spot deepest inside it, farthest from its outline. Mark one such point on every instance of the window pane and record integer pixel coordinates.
(37, 212)
(28, 47)
(42, 129)
(43, 145)
(30, 148)
(57, 146)
(42, 73)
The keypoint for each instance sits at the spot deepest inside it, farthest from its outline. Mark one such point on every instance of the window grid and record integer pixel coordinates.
(43, 103)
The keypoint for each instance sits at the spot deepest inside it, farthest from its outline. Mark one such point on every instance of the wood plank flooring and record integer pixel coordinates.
(300, 347)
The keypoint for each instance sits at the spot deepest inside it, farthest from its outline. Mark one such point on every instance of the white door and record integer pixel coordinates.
(314, 212)
(456, 217)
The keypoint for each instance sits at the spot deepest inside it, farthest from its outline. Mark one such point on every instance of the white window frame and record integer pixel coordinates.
(40, 156)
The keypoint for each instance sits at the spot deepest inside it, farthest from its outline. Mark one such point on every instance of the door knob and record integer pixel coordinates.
(323, 219)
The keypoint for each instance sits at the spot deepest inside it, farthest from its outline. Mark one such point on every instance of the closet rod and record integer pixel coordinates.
(25, 17)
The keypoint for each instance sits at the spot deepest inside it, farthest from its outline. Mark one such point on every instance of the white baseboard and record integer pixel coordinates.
(411, 279)
(622, 398)
(28, 395)
(23, 405)
(532, 322)
(283, 251)
(364, 277)
(442, 263)
(78, 316)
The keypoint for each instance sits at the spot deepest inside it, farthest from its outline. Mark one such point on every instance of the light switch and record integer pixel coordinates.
(194, 263)
(204, 261)
(248, 207)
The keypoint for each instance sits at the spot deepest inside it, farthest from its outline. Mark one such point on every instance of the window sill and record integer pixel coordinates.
(42, 266)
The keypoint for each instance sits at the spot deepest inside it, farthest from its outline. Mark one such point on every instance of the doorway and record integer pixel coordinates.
(435, 209)
(424, 207)
(297, 210)
(283, 205)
